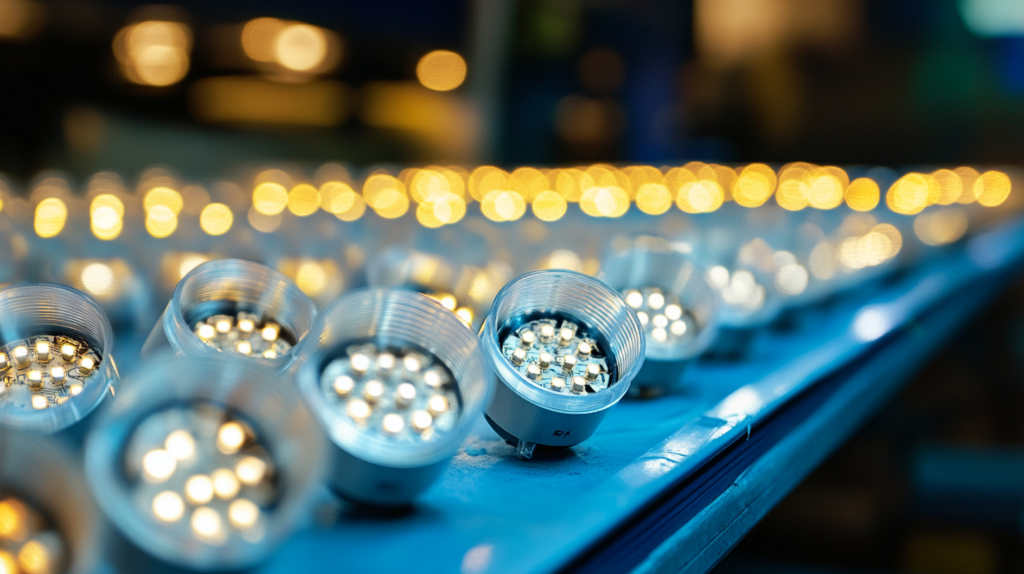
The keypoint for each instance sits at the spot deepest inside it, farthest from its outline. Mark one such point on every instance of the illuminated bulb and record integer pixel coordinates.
(199, 489)
(659, 335)
(593, 371)
(270, 354)
(393, 423)
(343, 385)
(168, 506)
(437, 405)
(373, 391)
(634, 299)
(223, 325)
(360, 363)
(544, 361)
(270, 332)
(579, 384)
(558, 383)
(412, 364)
(230, 437)
(86, 365)
(432, 378)
(421, 420)
(358, 409)
(180, 444)
(57, 375)
(565, 336)
(21, 357)
(68, 352)
(518, 356)
(643, 317)
(655, 300)
(405, 395)
(244, 348)
(39, 402)
(246, 325)
(76, 390)
(251, 470)
(678, 328)
(243, 514)
(465, 314)
(42, 351)
(673, 311)
(448, 302)
(35, 379)
(386, 361)
(225, 485)
(660, 321)
(158, 465)
(206, 522)
(568, 363)
(583, 350)
(547, 333)
(527, 339)
(206, 332)
(533, 372)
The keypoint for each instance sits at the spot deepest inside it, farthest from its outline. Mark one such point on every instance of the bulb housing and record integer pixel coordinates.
(564, 348)
(396, 381)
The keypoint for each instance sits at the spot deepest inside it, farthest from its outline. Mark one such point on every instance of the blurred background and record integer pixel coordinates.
(92, 87)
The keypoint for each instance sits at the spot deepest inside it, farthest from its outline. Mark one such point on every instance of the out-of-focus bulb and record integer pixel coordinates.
(676, 305)
(395, 379)
(564, 348)
(235, 307)
(199, 474)
(64, 358)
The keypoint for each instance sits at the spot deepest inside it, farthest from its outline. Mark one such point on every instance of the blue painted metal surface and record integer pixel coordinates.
(494, 513)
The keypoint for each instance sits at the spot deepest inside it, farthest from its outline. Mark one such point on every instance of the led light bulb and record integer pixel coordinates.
(396, 380)
(569, 313)
(235, 307)
(47, 519)
(464, 290)
(675, 304)
(56, 351)
(205, 463)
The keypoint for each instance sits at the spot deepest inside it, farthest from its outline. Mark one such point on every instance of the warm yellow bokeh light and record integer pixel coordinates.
(755, 184)
(703, 196)
(567, 184)
(311, 278)
(549, 206)
(216, 219)
(968, 177)
(912, 193)
(51, 214)
(340, 199)
(386, 195)
(863, 194)
(653, 198)
(34, 558)
(427, 185)
(950, 186)
(444, 210)
(941, 227)
(300, 47)
(502, 205)
(486, 179)
(441, 70)
(270, 198)
(161, 221)
(154, 53)
(824, 190)
(992, 188)
(303, 200)
(164, 196)
(258, 38)
(106, 213)
(605, 202)
(528, 182)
